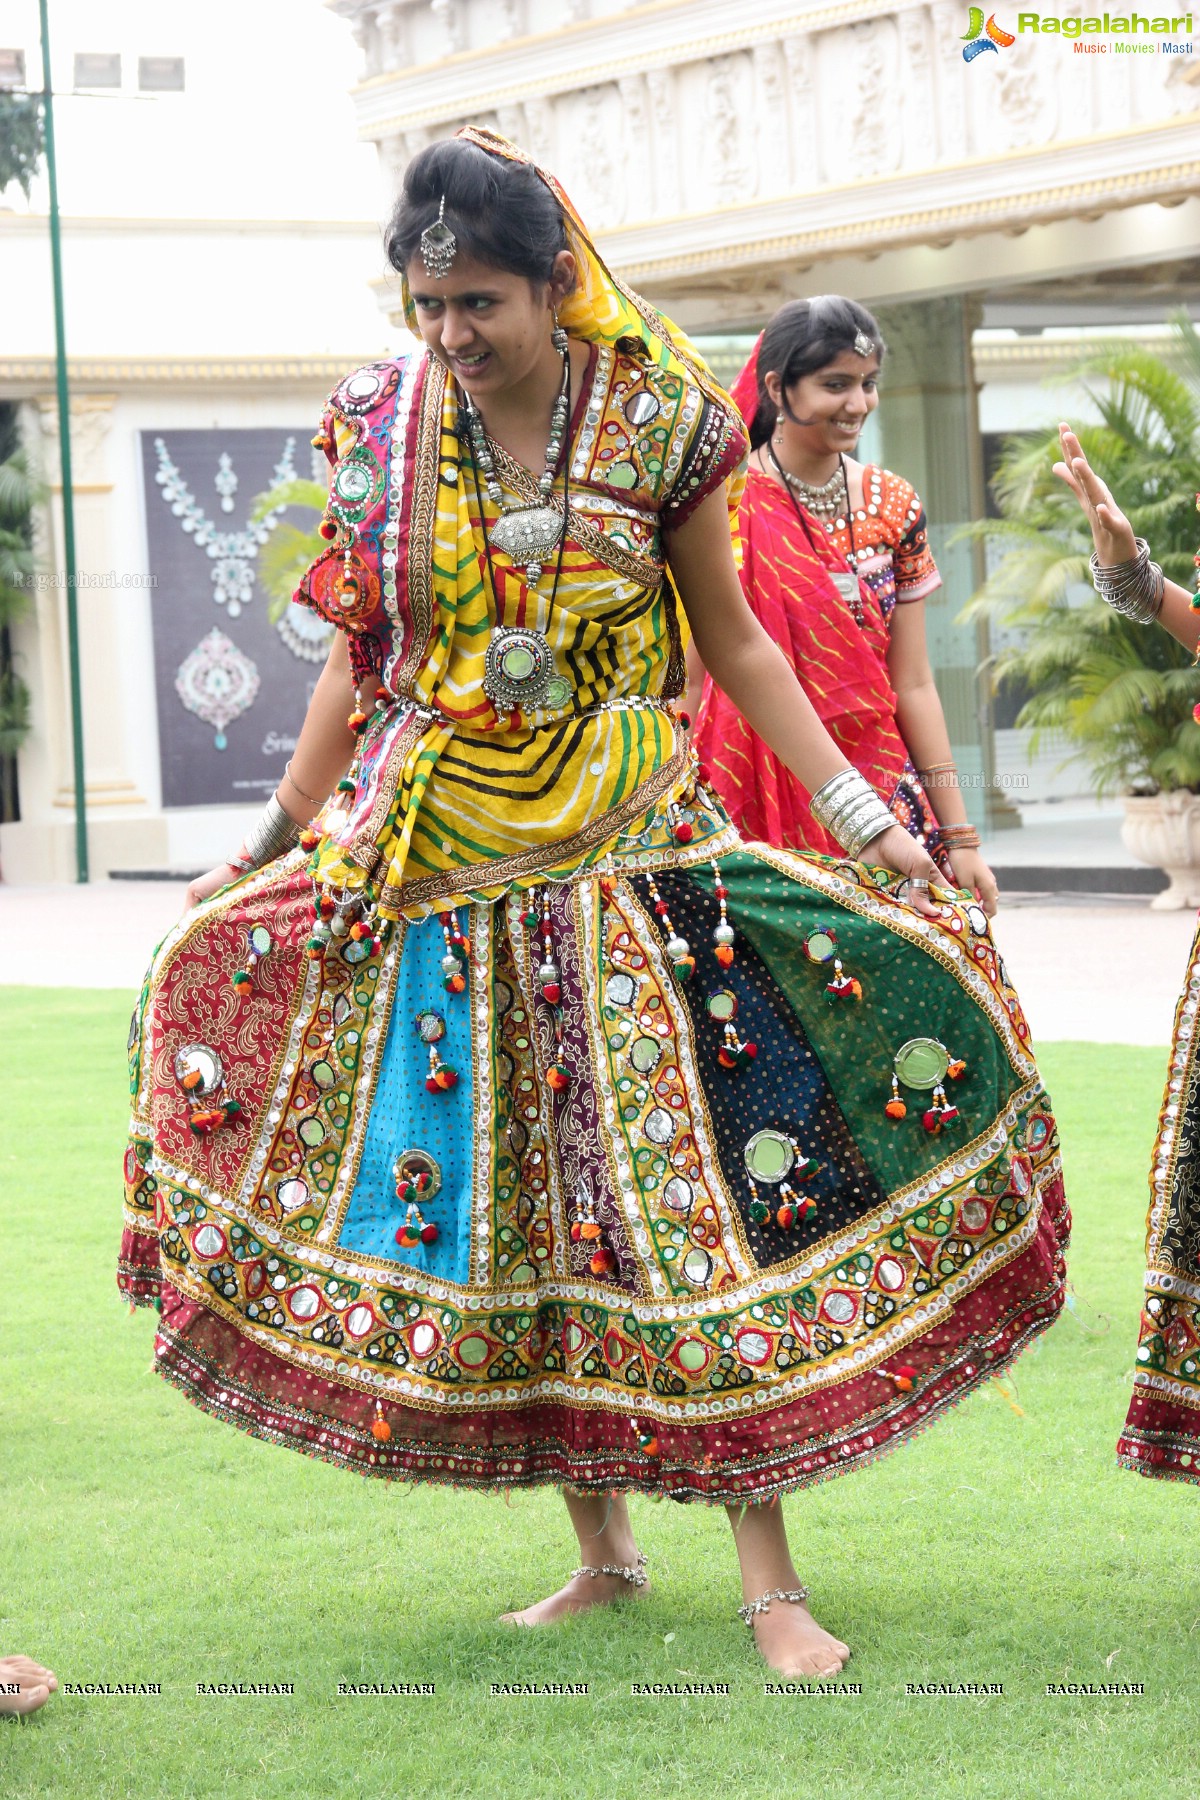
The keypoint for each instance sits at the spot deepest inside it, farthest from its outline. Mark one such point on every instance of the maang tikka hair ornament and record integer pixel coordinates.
(438, 245)
(862, 343)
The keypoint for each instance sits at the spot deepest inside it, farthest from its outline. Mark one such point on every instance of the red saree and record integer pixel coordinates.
(787, 576)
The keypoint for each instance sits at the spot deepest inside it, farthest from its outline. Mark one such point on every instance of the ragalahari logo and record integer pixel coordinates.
(980, 37)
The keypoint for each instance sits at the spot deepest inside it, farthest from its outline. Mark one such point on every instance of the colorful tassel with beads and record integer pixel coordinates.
(243, 979)
(956, 1068)
(903, 1375)
(457, 955)
(416, 1230)
(647, 1439)
(723, 933)
(678, 948)
(940, 1113)
(681, 829)
(549, 978)
(558, 1078)
(895, 1108)
(441, 1077)
(381, 1431)
(842, 986)
(207, 1119)
(309, 838)
(733, 1053)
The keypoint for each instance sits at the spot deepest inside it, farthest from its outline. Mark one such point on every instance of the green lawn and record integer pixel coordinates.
(142, 1541)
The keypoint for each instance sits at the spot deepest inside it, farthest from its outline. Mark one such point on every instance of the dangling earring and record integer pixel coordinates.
(558, 336)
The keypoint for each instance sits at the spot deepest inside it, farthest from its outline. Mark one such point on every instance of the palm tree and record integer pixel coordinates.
(1121, 693)
(288, 551)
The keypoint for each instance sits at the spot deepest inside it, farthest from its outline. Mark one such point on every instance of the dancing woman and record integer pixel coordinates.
(836, 567)
(522, 1125)
(1162, 1429)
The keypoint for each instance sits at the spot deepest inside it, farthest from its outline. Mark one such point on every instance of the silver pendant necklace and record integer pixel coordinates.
(529, 534)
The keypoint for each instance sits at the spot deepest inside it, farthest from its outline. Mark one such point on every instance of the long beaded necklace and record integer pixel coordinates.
(519, 668)
(845, 581)
(528, 534)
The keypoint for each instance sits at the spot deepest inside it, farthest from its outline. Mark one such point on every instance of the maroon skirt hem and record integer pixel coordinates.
(783, 1448)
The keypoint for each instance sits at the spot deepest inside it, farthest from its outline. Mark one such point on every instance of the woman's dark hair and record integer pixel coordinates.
(804, 336)
(501, 212)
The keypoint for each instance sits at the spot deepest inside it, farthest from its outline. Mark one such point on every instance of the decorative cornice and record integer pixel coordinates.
(30, 373)
(1038, 356)
(968, 218)
(504, 68)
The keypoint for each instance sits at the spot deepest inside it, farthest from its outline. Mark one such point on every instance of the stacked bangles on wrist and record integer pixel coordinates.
(958, 837)
(1134, 589)
(850, 810)
(273, 834)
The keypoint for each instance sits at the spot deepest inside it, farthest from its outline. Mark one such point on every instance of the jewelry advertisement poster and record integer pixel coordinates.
(234, 666)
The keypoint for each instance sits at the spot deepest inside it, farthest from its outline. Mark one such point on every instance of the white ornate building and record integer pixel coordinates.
(223, 261)
(731, 157)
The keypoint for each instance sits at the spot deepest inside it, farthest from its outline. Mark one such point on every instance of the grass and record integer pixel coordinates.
(142, 1541)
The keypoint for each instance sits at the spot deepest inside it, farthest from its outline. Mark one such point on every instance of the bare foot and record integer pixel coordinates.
(580, 1593)
(34, 1685)
(792, 1643)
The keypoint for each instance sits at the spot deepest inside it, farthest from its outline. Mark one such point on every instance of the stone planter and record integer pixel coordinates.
(1164, 831)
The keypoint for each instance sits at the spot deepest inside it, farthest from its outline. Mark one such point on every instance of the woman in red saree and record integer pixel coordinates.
(836, 565)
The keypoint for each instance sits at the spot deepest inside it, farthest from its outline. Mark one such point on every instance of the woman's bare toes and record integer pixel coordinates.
(24, 1685)
(792, 1643)
(580, 1594)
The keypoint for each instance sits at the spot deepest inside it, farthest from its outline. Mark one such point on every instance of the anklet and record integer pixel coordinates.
(763, 1603)
(631, 1572)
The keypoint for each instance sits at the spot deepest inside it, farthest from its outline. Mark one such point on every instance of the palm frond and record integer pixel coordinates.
(1123, 695)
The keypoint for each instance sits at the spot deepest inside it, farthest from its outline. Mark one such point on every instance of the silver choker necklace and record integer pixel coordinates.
(824, 502)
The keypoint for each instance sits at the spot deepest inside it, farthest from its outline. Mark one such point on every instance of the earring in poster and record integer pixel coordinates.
(218, 683)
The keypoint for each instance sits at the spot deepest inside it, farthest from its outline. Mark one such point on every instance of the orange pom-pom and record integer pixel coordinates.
(576, 1231)
(603, 1262)
(956, 1069)
(589, 1230)
(724, 954)
(785, 1216)
(896, 1109)
(309, 839)
(192, 1079)
(558, 1078)
(381, 1431)
(327, 528)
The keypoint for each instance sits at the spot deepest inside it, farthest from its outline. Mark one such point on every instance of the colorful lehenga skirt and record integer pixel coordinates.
(1162, 1430)
(702, 1227)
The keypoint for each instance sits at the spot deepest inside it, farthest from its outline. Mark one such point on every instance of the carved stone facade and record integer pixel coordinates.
(722, 152)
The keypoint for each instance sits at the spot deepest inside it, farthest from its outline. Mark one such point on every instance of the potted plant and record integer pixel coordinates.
(1122, 694)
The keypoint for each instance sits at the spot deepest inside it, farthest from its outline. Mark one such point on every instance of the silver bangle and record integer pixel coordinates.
(850, 810)
(272, 834)
(1134, 589)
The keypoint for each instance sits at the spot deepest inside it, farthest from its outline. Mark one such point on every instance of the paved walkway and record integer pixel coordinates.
(1095, 971)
